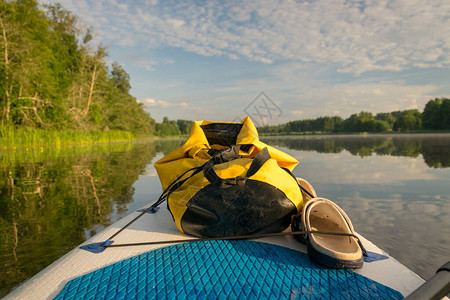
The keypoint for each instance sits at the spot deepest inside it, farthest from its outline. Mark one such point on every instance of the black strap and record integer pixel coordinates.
(258, 161)
(302, 189)
(212, 177)
(253, 236)
(222, 156)
(177, 183)
(164, 196)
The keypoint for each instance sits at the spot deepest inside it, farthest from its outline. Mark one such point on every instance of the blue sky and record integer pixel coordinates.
(208, 60)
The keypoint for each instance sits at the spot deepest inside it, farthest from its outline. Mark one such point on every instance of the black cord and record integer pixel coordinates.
(242, 237)
(161, 198)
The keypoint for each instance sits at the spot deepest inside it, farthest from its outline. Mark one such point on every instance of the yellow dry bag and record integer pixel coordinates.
(224, 182)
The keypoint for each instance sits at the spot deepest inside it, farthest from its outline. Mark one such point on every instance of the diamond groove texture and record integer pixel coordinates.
(223, 270)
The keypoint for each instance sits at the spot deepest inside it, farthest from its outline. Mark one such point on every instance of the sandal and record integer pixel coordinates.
(335, 251)
(307, 189)
(308, 193)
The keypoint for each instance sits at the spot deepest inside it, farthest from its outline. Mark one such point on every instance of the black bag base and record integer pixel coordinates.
(252, 207)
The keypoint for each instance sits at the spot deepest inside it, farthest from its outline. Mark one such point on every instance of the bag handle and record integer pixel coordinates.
(258, 161)
(222, 156)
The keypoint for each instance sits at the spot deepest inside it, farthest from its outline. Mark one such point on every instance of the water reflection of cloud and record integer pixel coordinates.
(400, 203)
(345, 168)
(150, 171)
(412, 230)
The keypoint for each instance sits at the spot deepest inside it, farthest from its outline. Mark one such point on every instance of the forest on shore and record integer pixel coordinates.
(52, 77)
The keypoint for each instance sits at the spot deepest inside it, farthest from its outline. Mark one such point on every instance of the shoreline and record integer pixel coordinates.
(423, 132)
(59, 137)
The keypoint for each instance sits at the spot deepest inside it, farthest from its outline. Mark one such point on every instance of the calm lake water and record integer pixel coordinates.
(395, 188)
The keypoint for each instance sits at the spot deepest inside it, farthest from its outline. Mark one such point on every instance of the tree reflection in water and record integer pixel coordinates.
(52, 199)
(433, 147)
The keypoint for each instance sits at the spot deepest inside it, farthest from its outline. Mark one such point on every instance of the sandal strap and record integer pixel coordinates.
(317, 200)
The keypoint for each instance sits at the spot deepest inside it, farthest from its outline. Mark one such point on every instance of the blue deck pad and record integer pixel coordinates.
(223, 270)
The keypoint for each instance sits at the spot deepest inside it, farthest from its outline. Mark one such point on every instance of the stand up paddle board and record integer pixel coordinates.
(270, 267)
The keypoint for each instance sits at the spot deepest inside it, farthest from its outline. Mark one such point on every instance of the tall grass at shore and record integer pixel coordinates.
(11, 137)
(41, 154)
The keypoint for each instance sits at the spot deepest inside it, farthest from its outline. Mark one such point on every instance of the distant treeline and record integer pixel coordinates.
(436, 116)
(173, 128)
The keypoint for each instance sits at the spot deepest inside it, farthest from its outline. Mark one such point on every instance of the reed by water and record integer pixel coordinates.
(11, 138)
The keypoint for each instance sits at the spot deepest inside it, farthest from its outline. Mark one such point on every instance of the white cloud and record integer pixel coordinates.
(342, 168)
(304, 99)
(373, 97)
(148, 65)
(144, 60)
(356, 36)
(297, 113)
(150, 102)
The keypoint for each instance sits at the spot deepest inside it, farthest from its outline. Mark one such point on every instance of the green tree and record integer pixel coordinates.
(445, 110)
(51, 76)
(185, 126)
(352, 124)
(381, 126)
(409, 120)
(432, 114)
(120, 77)
(25, 64)
(96, 114)
(386, 117)
(365, 116)
(167, 128)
